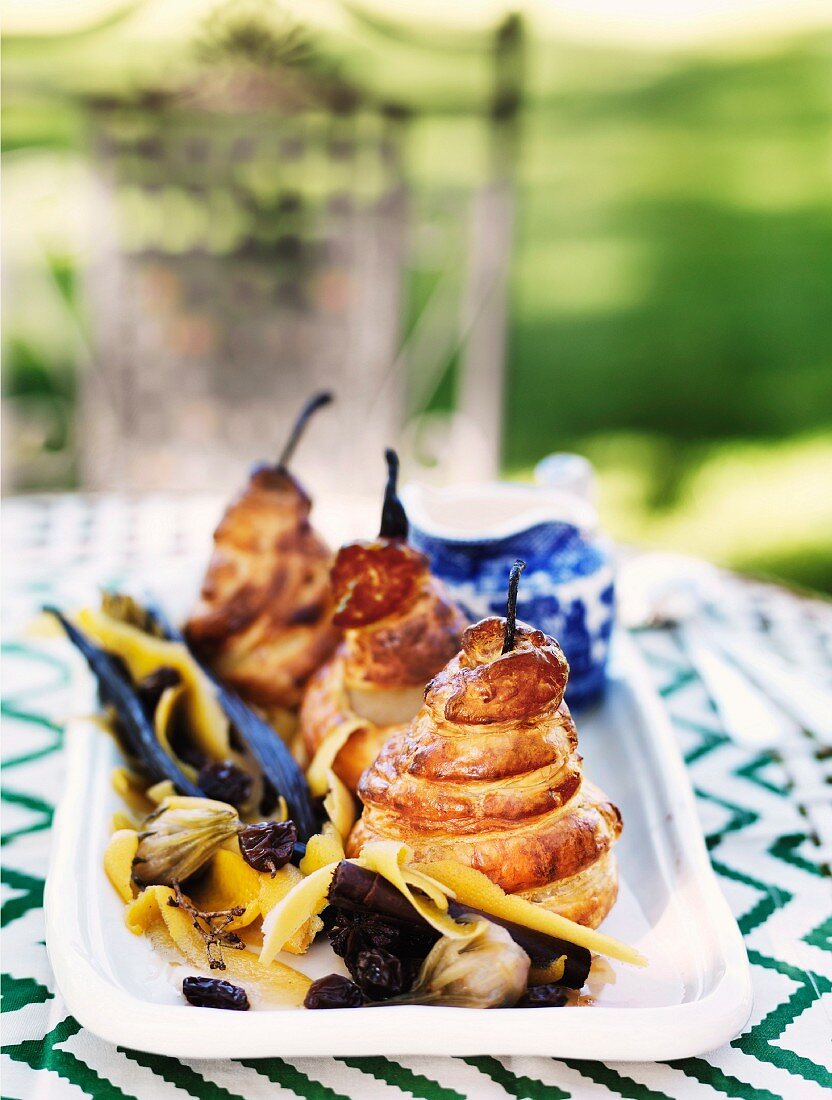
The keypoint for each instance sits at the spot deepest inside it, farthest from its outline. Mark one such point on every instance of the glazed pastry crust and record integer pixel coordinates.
(400, 627)
(408, 646)
(264, 617)
(325, 708)
(488, 774)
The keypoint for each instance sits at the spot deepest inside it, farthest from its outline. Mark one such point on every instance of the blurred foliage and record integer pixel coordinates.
(758, 505)
(677, 238)
(671, 296)
(256, 33)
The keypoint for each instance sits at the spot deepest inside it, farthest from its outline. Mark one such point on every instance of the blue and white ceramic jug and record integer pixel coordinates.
(474, 533)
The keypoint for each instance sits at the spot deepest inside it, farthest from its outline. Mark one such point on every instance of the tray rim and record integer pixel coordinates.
(648, 1034)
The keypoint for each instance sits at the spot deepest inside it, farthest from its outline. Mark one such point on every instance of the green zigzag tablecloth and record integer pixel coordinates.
(768, 864)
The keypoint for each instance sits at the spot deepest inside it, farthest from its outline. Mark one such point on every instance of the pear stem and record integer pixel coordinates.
(394, 524)
(511, 605)
(315, 402)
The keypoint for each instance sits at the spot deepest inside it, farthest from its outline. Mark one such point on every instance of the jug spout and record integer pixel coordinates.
(472, 535)
(491, 510)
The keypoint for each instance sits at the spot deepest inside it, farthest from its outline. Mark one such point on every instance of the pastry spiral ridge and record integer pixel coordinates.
(400, 627)
(264, 616)
(488, 774)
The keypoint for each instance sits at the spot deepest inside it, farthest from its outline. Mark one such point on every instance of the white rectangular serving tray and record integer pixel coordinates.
(694, 995)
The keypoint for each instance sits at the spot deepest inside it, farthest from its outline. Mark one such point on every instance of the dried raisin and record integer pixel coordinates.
(379, 974)
(268, 846)
(225, 782)
(333, 991)
(214, 993)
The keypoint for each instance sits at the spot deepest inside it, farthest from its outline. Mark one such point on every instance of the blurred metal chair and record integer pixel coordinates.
(253, 238)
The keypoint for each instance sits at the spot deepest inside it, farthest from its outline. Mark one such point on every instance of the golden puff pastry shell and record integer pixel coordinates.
(488, 774)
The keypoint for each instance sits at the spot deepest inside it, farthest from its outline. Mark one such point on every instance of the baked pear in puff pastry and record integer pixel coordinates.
(488, 774)
(400, 627)
(263, 621)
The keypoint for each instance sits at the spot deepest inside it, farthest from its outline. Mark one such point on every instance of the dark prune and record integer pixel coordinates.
(380, 975)
(383, 956)
(543, 996)
(329, 916)
(268, 846)
(214, 993)
(343, 934)
(385, 936)
(333, 991)
(225, 782)
(351, 932)
(151, 688)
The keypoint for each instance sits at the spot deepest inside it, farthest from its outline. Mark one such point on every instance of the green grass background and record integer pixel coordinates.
(671, 283)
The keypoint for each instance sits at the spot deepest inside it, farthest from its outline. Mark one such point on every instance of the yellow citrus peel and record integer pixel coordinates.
(118, 862)
(317, 774)
(475, 889)
(171, 927)
(304, 900)
(272, 892)
(228, 881)
(131, 790)
(543, 975)
(122, 820)
(339, 805)
(160, 791)
(322, 849)
(163, 718)
(143, 654)
(390, 858)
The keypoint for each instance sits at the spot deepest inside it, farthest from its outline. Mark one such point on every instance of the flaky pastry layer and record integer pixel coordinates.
(488, 774)
(263, 619)
(325, 709)
(406, 628)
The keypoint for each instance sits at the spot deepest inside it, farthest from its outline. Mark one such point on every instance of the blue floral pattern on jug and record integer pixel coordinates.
(567, 590)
